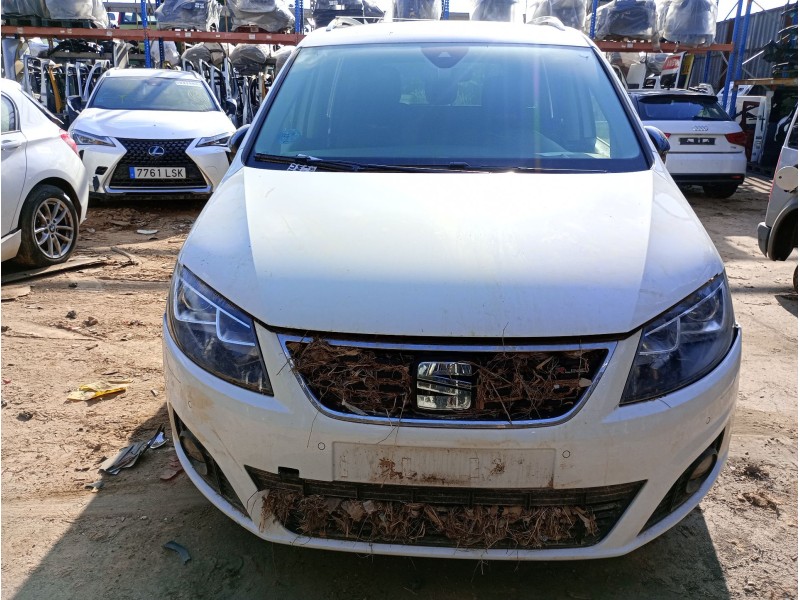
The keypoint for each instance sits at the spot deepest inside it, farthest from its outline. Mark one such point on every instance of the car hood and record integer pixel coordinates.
(466, 255)
(152, 124)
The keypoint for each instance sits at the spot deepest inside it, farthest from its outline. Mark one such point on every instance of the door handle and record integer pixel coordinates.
(11, 144)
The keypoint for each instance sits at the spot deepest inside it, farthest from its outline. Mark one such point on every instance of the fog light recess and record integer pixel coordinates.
(690, 481)
(194, 451)
(700, 470)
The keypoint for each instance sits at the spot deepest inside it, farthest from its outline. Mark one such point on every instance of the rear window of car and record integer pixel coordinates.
(681, 108)
(152, 93)
(439, 104)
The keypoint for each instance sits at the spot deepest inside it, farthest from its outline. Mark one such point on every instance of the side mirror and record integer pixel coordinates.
(75, 104)
(236, 141)
(660, 141)
(786, 178)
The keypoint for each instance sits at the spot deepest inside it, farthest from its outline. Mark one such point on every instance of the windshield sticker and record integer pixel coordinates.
(191, 83)
(296, 167)
(289, 135)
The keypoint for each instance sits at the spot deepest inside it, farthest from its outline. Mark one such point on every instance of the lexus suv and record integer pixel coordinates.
(707, 147)
(152, 131)
(436, 306)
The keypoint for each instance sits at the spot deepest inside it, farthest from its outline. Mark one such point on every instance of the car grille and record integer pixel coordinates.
(443, 516)
(501, 386)
(136, 155)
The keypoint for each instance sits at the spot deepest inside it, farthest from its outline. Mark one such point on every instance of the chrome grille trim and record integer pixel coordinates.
(610, 347)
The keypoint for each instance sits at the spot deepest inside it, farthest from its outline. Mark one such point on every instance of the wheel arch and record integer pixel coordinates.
(783, 238)
(66, 188)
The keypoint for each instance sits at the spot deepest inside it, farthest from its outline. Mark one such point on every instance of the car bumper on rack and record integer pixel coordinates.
(626, 469)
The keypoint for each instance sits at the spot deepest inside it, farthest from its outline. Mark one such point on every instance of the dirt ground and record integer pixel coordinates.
(60, 540)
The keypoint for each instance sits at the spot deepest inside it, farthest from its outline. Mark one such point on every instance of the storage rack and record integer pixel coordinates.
(291, 39)
(146, 34)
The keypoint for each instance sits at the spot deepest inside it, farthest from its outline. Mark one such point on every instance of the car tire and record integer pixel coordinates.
(723, 190)
(49, 224)
(794, 279)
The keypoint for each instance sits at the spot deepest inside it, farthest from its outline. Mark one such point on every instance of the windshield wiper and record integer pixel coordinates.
(337, 165)
(302, 159)
(343, 165)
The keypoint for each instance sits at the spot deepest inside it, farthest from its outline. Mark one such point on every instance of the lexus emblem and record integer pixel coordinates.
(444, 385)
(700, 128)
(156, 151)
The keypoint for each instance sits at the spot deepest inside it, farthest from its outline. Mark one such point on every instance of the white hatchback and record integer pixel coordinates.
(437, 307)
(45, 189)
(152, 132)
(707, 147)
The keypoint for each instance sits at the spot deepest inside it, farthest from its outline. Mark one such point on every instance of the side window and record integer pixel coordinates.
(9, 115)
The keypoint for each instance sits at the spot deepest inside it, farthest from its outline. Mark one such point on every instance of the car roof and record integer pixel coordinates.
(139, 72)
(448, 31)
(9, 85)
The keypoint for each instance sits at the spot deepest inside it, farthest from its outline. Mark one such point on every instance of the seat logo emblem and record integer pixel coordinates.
(444, 385)
(156, 151)
(700, 128)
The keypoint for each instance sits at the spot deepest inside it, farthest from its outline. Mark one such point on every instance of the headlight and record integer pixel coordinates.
(684, 344)
(215, 334)
(214, 140)
(89, 139)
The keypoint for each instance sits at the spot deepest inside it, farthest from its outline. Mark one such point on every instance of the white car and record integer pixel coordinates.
(707, 147)
(45, 189)
(437, 307)
(777, 233)
(151, 131)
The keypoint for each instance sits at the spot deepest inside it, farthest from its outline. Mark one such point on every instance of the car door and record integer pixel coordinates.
(14, 163)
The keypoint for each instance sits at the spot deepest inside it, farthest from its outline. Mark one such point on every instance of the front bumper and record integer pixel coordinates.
(603, 444)
(101, 163)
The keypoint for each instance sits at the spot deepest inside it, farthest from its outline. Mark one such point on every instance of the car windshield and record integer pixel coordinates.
(152, 93)
(681, 108)
(465, 106)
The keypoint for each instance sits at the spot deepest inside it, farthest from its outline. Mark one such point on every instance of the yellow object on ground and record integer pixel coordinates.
(90, 391)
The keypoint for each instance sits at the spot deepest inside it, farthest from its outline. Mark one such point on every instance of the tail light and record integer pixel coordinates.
(69, 141)
(667, 134)
(739, 138)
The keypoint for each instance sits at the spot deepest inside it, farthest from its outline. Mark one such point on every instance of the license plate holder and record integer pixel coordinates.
(459, 467)
(697, 141)
(157, 172)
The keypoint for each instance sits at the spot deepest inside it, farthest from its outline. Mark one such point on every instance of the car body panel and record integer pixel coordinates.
(467, 270)
(41, 155)
(446, 263)
(690, 162)
(15, 165)
(780, 221)
(585, 451)
(158, 126)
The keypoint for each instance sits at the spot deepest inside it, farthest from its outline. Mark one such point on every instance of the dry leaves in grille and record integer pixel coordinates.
(510, 386)
(523, 382)
(408, 523)
(356, 377)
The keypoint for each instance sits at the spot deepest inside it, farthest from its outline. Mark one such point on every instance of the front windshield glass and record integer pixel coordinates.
(471, 105)
(152, 93)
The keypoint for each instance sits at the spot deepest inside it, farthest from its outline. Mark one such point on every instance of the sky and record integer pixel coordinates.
(727, 8)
